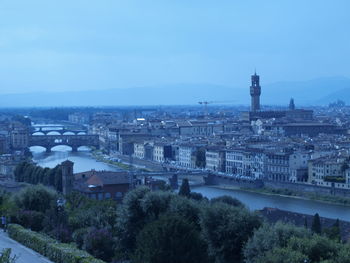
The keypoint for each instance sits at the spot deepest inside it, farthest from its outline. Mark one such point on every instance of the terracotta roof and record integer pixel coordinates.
(108, 178)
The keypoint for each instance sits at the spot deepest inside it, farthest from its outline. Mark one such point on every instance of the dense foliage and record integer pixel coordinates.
(172, 238)
(287, 243)
(163, 226)
(31, 173)
(185, 188)
(57, 252)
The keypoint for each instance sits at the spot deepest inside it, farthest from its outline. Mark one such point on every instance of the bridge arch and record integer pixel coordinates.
(74, 141)
(41, 148)
(52, 148)
(37, 133)
(68, 133)
(53, 133)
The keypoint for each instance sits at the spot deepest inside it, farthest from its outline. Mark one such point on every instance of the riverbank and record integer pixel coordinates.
(290, 194)
(97, 155)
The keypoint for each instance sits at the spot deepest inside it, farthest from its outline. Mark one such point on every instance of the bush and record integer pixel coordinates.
(36, 198)
(130, 221)
(170, 239)
(227, 200)
(79, 236)
(46, 246)
(5, 256)
(99, 242)
(31, 219)
(226, 229)
(269, 237)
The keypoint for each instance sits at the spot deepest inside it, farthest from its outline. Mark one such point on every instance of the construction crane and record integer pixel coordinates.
(205, 104)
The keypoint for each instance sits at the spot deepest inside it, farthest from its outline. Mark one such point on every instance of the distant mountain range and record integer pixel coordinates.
(314, 92)
(320, 91)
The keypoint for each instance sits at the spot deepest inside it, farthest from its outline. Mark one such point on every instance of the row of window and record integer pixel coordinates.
(107, 195)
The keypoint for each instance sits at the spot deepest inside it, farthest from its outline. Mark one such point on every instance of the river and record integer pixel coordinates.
(83, 161)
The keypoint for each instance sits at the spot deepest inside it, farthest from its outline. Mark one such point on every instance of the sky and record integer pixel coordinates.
(63, 45)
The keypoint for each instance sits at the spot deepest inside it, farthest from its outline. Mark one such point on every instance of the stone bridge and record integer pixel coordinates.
(60, 129)
(45, 131)
(74, 141)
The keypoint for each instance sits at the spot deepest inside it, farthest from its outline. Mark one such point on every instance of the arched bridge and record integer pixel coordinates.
(74, 141)
(60, 129)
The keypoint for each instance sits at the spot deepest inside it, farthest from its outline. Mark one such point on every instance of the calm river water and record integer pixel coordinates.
(83, 162)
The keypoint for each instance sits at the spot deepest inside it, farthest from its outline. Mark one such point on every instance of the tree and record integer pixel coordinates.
(226, 229)
(37, 198)
(79, 236)
(283, 255)
(130, 221)
(100, 244)
(227, 200)
(287, 243)
(155, 203)
(185, 188)
(31, 219)
(269, 237)
(18, 172)
(58, 178)
(316, 224)
(170, 239)
(333, 232)
(186, 208)
(315, 247)
(197, 196)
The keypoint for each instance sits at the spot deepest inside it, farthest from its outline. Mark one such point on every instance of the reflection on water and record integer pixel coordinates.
(82, 159)
(256, 201)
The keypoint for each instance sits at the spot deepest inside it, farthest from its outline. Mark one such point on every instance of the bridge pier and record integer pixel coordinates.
(48, 149)
(74, 149)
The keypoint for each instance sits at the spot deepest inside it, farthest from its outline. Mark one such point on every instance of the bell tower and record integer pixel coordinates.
(255, 92)
(67, 177)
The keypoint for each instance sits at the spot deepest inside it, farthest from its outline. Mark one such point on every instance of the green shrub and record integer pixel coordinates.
(5, 256)
(49, 247)
(35, 197)
(79, 236)
(31, 219)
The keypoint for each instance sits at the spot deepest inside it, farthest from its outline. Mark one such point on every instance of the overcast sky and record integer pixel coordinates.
(48, 45)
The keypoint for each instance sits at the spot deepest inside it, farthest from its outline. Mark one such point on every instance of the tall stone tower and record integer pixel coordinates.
(291, 104)
(67, 177)
(255, 92)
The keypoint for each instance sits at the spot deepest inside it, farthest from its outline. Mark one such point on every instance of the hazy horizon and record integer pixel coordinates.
(61, 46)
